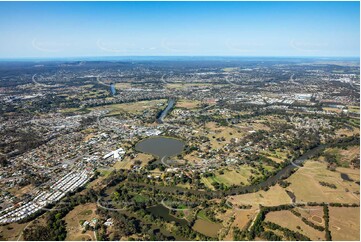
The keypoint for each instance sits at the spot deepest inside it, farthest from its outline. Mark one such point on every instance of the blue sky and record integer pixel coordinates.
(84, 29)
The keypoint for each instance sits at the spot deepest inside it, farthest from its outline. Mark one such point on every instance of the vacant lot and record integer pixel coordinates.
(135, 107)
(289, 220)
(242, 217)
(73, 221)
(122, 85)
(12, 231)
(345, 223)
(221, 135)
(234, 176)
(305, 184)
(347, 132)
(188, 85)
(127, 163)
(312, 213)
(276, 195)
(204, 226)
(332, 110)
(188, 104)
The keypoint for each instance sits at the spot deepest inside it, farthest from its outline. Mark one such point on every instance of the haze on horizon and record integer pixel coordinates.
(85, 29)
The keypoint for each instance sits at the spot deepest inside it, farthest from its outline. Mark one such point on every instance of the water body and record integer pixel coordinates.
(345, 177)
(163, 212)
(285, 172)
(164, 113)
(154, 227)
(161, 146)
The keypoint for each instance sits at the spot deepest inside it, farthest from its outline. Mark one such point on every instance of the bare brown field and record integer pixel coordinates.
(288, 220)
(275, 196)
(345, 223)
(333, 110)
(73, 218)
(230, 69)
(96, 184)
(242, 217)
(188, 85)
(134, 107)
(88, 137)
(207, 228)
(128, 162)
(192, 157)
(188, 104)
(12, 231)
(312, 213)
(221, 132)
(306, 187)
(123, 85)
(347, 132)
(252, 126)
(19, 192)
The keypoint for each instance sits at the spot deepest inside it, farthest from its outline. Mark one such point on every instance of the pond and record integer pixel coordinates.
(163, 212)
(345, 177)
(161, 146)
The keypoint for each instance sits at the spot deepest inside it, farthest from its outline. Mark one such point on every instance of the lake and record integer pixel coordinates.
(161, 146)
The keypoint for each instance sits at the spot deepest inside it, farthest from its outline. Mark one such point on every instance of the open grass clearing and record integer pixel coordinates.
(234, 177)
(275, 196)
(12, 231)
(288, 220)
(84, 212)
(134, 107)
(188, 104)
(345, 223)
(305, 184)
(312, 213)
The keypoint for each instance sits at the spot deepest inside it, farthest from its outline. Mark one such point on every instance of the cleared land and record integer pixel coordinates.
(74, 220)
(205, 226)
(235, 177)
(345, 223)
(12, 231)
(312, 213)
(188, 104)
(134, 107)
(220, 135)
(230, 176)
(289, 220)
(275, 196)
(305, 184)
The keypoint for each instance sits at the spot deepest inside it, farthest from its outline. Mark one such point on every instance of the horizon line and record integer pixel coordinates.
(84, 58)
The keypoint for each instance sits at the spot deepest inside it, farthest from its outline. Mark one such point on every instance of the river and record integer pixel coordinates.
(283, 173)
(164, 113)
